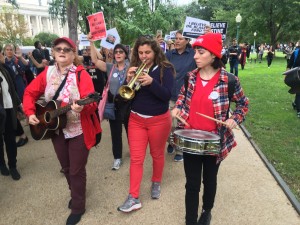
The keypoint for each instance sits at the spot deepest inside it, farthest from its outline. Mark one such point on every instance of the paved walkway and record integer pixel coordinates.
(247, 193)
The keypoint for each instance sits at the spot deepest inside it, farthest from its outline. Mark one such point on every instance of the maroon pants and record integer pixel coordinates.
(72, 155)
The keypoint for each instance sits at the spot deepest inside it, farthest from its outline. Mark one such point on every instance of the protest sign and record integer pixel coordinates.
(83, 40)
(112, 38)
(194, 27)
(97, 25)
(219, 27)
(173, 34)
(167, 37)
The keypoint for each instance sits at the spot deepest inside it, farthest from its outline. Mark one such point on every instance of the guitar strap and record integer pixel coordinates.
(60, 87)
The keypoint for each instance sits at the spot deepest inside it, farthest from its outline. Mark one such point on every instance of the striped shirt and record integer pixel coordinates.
(220, 106)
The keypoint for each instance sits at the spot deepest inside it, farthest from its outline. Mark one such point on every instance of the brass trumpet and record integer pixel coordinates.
(128, 91)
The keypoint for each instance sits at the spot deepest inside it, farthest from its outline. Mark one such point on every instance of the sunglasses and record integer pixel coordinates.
(65, 50)
(118, 51)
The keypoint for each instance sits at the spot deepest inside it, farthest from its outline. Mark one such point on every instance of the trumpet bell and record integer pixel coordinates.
(126, 92)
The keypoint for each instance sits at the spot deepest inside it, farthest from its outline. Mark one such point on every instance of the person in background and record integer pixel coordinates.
(117, 75)
(161, 43)
(289, 51)
(295, 62)
(17, 66)
(270, 55)
(171, 45)
(207, 29)
(225, 56)
(99, 77)
(260, 52)
(234, 54)
(150, 119)
(72, 143)
(38, 55)
(243, 55)
(9, 102)
(182, 57)
(207, 94)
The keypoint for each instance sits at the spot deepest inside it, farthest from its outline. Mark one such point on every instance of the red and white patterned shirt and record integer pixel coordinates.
(220, 107)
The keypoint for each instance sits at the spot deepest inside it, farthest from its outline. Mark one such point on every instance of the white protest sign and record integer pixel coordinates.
(167, 37)
(173, 34)
(194, 27)
(83, 40)
(112, 38)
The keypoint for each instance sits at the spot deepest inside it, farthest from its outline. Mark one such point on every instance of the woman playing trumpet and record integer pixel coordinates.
(150, 120)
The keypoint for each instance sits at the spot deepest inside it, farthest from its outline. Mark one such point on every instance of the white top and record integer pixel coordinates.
(7, 101)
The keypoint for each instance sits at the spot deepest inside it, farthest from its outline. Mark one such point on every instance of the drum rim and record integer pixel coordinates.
(214, 136)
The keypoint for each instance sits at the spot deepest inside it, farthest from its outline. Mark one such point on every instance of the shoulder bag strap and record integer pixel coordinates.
(109, 77)
(60, 87)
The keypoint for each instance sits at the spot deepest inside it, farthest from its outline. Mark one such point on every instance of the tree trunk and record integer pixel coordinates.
(72, 14)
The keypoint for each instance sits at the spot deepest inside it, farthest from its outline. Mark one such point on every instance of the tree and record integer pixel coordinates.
(13, 26)
(66, 11)
(273, 20)
(45, 38)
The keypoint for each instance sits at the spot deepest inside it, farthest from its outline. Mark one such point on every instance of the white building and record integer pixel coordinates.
(38, 19)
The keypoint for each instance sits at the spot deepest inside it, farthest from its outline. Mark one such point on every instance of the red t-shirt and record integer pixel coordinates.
(202, 102)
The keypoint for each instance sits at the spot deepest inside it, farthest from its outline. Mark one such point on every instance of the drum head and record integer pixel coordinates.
(196, 134)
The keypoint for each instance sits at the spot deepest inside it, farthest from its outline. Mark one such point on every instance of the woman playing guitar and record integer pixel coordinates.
(72, 143)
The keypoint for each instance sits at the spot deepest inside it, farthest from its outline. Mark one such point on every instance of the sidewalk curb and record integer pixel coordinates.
(275, 174)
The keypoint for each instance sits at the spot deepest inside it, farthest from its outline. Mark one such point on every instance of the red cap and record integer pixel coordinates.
(211, 42)
(65, 39)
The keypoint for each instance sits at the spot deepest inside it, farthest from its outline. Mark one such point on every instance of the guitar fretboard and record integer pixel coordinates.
(66, 108)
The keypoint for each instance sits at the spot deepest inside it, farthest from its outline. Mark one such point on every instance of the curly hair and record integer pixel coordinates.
(159, 59)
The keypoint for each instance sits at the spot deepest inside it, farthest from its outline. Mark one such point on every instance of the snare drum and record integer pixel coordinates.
(197, 142)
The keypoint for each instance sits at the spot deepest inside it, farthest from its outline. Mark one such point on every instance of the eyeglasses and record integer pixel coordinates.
(65, 50)
(118, 51)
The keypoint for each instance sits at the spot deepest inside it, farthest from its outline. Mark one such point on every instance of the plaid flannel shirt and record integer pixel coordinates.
(220, 105)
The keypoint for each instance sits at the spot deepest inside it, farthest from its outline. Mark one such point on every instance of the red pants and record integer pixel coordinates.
(141, 131)
(73, 155)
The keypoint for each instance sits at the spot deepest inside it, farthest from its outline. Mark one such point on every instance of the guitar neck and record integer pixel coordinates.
(66, 108)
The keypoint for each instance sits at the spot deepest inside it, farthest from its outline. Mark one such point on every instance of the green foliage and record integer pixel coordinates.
(274, 20)
(271, 121)
(45, 38)
(28, 42)
(13, 26)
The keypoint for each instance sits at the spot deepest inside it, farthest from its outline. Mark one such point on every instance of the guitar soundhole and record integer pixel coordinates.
(47, 117)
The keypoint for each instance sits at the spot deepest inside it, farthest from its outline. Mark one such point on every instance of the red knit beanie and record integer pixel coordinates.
(211, 42)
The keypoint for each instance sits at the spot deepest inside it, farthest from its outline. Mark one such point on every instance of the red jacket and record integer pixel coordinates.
(89, 128)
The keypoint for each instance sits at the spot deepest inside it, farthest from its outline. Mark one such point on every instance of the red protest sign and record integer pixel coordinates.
(97, 25)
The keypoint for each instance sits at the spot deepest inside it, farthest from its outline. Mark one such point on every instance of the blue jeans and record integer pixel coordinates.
(234, 65)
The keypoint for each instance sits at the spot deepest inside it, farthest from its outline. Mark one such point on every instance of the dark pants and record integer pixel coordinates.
(20, 129)
(116, 136)
(234, 65)
(194, 166)
(9, 138)
(297, 101)
(2, 119)
(73, 155)
(270, 59)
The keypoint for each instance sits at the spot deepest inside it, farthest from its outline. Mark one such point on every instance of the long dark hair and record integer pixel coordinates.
(159, 59)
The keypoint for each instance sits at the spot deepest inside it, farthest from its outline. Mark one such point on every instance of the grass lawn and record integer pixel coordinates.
(271, 120)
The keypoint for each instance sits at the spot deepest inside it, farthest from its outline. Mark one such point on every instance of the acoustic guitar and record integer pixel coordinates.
(53, 117)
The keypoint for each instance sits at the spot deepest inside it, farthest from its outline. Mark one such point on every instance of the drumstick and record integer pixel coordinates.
(182, 120)
(218, 121)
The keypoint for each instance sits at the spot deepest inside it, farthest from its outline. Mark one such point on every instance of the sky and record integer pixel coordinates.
(183, 2)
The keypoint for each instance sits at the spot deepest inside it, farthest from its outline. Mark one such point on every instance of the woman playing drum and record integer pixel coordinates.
(207, 93)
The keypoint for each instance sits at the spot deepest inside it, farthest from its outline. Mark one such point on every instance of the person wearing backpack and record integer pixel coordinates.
(62, 82)
(295, 62)
(209, 91)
